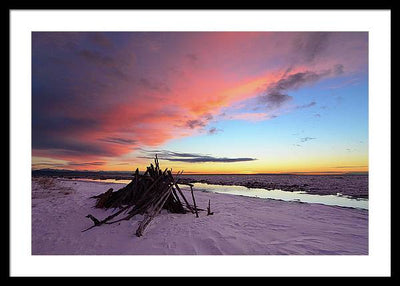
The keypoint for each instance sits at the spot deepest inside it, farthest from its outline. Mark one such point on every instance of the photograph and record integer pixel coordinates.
(200, 143)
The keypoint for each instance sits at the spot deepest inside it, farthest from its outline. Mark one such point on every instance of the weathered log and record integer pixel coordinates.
(95, 220)
(146, 194)
(209, 209)
(100, 195)
(156, 208)
(177, 198)
(104, 221)
(194, 202)
(103, 199)
(184, 199)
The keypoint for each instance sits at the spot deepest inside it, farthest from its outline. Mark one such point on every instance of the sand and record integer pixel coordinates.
(239, 226)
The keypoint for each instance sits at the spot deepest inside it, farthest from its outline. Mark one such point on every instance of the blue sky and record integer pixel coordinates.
(212, 102)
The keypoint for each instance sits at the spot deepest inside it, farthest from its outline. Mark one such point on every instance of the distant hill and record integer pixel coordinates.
(126, 175)
(82, 174)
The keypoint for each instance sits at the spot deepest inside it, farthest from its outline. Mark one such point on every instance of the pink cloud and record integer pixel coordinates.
(114, 98)
(259, 116)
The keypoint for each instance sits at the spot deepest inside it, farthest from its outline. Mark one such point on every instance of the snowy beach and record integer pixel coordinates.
(239, 226)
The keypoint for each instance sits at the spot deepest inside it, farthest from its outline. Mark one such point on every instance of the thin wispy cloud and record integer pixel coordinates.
(85, 164)
(190, 157)
(214, 130)
(311, 46)
(313, 103)
(350, 167)
(195, 123)
(117, 140)
(277, 95)
(305, 139)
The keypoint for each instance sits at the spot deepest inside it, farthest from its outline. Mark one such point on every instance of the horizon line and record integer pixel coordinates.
(195, 173)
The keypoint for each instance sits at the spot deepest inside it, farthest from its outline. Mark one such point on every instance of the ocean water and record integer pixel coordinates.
(347, 185)
(344, 191)
(295, 196)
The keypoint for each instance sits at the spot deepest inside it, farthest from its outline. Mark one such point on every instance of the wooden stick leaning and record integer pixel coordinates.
(149, 217)
(146, 194)
(194, 202)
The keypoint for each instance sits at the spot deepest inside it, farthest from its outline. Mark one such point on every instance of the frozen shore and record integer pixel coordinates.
(355, 186)
(239, 226)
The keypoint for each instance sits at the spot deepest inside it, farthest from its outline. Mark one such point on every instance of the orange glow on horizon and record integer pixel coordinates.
(266, 98)
(213, 168)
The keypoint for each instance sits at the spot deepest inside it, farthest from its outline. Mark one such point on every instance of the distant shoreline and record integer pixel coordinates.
(353, 185)
(123, 175)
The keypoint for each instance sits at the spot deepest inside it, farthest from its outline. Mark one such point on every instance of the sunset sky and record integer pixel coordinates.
(204, 102)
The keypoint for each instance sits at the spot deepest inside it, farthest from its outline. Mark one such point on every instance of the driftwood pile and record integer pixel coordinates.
(147, 194)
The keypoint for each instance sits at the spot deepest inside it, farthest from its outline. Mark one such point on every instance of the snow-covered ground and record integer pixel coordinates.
(349, 185)
(239, 226)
